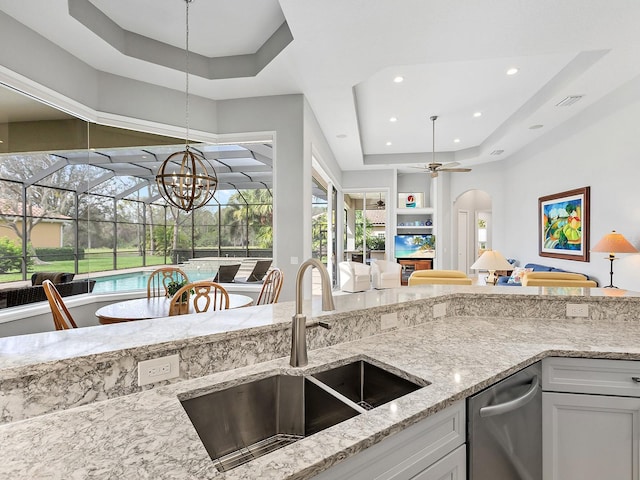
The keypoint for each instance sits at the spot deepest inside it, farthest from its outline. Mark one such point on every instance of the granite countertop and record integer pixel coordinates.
(148, 434)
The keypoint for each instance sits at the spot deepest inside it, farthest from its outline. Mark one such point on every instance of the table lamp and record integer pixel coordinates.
(613, 243)
(491, 260)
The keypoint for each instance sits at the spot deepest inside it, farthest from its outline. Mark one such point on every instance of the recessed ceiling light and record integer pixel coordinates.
(398, 79)
(535, 127)
(512, 71)
(456, 140)
(1, 141)
(341, 135)
(477, 114)
(388, 144)
(393, 119)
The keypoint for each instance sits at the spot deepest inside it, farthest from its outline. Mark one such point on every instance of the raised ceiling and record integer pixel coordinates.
(453, 55)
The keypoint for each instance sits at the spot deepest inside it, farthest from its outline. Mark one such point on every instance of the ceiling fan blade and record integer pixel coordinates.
(454, 169)
(450, 165)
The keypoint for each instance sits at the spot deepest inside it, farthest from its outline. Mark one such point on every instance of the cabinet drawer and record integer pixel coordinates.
(595, 376)
(407, 453)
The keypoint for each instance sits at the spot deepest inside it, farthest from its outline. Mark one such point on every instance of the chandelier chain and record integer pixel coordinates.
(186, 71)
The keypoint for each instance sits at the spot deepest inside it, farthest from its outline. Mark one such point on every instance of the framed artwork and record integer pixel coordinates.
(410, 200)
(564, 225)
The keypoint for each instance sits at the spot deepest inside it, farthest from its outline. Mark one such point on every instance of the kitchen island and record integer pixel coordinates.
(485, 335)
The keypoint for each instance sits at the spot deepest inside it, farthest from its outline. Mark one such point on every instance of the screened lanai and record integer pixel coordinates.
(82, 197)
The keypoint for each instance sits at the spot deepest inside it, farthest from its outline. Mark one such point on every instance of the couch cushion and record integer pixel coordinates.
(557, 279)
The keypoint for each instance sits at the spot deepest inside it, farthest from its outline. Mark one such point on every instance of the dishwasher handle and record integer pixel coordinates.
(514, 404)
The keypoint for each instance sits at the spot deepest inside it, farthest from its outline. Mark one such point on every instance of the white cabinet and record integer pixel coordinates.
(590, 437)
(588, 433)
(432, 449)
(451, 467)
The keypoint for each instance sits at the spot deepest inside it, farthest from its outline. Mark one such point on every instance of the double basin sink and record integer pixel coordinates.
(249, 420)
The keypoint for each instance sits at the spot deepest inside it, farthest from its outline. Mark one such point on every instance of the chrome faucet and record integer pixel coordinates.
(299, 321)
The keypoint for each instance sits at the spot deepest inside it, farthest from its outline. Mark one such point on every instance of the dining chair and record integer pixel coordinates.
(62, 319)
(271, 287)
(160, 278)
(205, 296)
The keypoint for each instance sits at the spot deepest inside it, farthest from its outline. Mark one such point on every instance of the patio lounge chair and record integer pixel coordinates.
(260, 269)
(226, 273)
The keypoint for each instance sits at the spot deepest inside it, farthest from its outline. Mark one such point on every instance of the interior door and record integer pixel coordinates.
(463, 241)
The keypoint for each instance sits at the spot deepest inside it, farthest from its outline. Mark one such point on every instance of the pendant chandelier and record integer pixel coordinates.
(186, 179)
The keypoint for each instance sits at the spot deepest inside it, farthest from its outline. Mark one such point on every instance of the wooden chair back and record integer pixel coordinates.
(160, 278)
(199, 297)
(62, 319)
(271, 287)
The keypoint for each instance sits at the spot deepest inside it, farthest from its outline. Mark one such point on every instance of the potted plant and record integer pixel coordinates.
(173, 287)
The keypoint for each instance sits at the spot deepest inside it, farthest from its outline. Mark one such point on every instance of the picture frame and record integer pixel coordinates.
(410, 200)
(563, 223)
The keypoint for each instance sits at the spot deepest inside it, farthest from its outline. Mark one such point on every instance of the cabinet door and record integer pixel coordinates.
(590, 437)
(408, 453)
(451, 467)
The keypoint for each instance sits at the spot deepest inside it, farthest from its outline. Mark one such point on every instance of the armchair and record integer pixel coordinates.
(354, 277)
(386, 274)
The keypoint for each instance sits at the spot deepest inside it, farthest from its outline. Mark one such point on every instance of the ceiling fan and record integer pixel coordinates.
(434, 167)
(380, 204)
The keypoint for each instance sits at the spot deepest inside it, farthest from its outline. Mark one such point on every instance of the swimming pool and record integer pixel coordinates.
(123, 282)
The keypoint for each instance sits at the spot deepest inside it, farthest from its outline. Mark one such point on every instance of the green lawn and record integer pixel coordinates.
(98, 262)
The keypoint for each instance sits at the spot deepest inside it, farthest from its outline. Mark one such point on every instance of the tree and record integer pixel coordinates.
(252, 209)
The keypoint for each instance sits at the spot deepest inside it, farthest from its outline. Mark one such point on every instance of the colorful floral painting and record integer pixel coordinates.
(564, 225)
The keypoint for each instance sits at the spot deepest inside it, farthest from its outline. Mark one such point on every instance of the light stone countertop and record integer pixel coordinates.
(148, 434)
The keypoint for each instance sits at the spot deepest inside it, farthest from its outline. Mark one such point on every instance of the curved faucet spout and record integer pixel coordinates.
(327, 297)
(299, 321)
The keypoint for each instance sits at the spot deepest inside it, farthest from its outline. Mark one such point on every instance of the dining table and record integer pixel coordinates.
(154, 307)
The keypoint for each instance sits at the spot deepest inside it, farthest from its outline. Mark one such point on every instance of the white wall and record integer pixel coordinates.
(600, 149)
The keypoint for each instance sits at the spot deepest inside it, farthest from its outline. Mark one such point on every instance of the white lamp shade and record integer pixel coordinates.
(491, 260)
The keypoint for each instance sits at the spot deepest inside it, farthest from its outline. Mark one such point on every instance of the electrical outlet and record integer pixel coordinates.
(158, 369)
(577, 310)
(388, 320)
(439, 310)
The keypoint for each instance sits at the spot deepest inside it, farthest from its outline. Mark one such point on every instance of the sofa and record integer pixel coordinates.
(66, 286)
(545, 276)
(439, 277)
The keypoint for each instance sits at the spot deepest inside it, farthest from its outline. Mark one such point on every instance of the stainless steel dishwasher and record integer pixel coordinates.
(504, 428)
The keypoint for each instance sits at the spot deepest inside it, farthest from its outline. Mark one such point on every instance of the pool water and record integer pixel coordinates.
(123, 282)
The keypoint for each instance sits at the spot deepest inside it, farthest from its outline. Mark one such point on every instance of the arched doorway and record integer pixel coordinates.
(472, 228)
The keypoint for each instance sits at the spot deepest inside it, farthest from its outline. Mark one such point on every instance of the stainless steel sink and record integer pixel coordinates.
(247, 421)
(250, 420)
(366, 384)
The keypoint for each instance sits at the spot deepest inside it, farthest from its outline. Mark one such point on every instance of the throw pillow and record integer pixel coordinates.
(517, 274)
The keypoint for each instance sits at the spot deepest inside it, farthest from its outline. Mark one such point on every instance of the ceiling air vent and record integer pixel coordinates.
(568, 101)
(497, 152)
